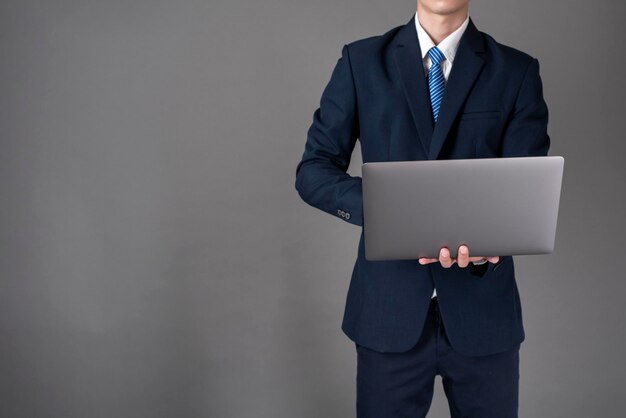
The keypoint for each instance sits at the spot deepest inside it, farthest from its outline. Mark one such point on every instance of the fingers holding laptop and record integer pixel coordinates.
(463, 258)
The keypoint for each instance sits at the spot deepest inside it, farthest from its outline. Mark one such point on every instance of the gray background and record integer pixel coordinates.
(156, 260)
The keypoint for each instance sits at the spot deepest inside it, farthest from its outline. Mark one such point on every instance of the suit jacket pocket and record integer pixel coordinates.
(488, 114)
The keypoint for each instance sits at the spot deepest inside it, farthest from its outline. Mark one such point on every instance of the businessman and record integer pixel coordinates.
(434, 88)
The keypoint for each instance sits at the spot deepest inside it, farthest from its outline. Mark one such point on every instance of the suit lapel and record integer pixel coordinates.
(467, 65)
(408, 59)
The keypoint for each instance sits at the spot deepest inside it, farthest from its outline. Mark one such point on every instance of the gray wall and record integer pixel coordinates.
(155, 259)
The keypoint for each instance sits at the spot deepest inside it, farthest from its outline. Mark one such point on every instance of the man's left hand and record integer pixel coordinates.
(463, 258)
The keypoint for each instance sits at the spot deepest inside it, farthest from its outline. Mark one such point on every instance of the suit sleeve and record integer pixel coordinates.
(526, 134)
(321, 177)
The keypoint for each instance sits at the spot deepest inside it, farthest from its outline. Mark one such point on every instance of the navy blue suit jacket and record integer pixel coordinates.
(493, 106)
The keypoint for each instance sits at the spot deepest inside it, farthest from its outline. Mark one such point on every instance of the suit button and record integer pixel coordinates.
(347, 215)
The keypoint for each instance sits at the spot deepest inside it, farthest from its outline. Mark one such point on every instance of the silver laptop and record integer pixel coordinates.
(496, 206)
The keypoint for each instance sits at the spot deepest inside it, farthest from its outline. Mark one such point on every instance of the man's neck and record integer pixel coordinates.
(439, 26)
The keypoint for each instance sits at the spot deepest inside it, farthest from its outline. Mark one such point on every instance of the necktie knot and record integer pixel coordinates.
(436, 56)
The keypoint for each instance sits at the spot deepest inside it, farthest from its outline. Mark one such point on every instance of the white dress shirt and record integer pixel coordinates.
(448, 47)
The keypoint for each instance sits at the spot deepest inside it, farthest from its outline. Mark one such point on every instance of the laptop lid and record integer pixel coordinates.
(496, 206)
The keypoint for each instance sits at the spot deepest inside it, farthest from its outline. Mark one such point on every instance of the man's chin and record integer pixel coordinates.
(443, 8)
(444, 11)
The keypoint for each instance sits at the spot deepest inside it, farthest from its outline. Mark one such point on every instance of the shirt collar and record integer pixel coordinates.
(448, 46)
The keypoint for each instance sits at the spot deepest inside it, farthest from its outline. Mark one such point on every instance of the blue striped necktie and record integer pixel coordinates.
(436, 82)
